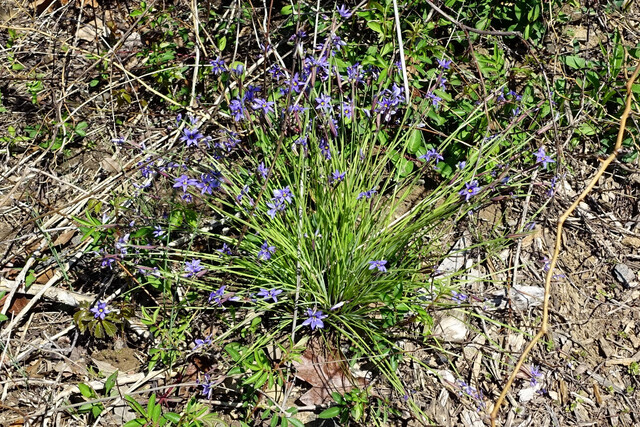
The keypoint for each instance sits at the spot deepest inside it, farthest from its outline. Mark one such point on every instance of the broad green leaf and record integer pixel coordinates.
(332, 412)
(86, 391)
(575, 62)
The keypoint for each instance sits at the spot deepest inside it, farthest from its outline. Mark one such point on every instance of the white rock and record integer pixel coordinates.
(451, 329)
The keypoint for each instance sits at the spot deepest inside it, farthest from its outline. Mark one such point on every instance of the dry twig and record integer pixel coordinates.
(544, 326)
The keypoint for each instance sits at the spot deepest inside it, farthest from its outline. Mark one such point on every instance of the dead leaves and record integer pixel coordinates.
(326, 371)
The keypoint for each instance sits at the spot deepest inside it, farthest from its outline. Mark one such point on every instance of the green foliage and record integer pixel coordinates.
(94, 407)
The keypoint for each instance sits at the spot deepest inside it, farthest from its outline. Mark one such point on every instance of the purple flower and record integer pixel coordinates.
(191, 136)
(238, 69)
(315, 319)
(262, 170)
(275, 206)
(460, 165)
(354, 73)
(100, 310)
(250, 93)
(535, 374)
(367, 194)
(441, 81)
(192, 268)
(347, 110)
(207, 387)
(458, 298)
(337, 177)
(121, 244)
(325, 149)
(284, 195)
(380, 265)
(107, 262)
(344, 12)
(265, 106)
(444, 63)
(275, 71)
(184, 181)
(324, 103)
(297, 108)
(216, 296)
(552, 186)
(541, 157)
(266, 251)
(237, 109)
(209, 182)
(158, 231)
(470, 190)
(225, 249)
(435, 99)
(296, 83)
(201, 342)
(217, 66)
(431, 154)
(270, 294)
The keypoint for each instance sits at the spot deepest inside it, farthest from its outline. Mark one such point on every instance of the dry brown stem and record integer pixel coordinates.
(544, 325)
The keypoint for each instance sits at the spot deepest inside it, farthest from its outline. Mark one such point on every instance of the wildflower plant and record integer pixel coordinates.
(308, 190)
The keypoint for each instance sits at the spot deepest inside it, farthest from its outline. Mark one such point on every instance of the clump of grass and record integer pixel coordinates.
(306, 187)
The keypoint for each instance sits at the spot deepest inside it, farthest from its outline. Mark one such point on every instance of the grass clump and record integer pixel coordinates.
(293, 222)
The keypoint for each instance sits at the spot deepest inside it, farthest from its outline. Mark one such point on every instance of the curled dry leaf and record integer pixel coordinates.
(326, 371)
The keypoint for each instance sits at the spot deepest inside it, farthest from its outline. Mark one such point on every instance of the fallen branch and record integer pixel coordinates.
(544, 326)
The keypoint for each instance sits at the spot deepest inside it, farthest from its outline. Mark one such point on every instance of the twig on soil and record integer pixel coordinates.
(59, 295)
(544, 326)
(57, 276)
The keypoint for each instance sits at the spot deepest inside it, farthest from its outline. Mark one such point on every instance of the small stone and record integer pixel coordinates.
(451, 329)
(625, 275)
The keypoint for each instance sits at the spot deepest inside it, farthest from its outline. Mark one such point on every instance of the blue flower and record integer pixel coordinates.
(216, 296)
(184, 181)
(262, 170)
(347, 110)
(444, 63)
(315, 319)
(354, 73)
(435, 99)
(266, 251)
(100, 310)
(380, 265)
(217, 66)
(158, 231)
(367, 194)
(239, 69)
(324, 103)
(207, 387)
(284, 195)
(458, 298)
(192, 268)
(337, 177)
(237, 109)
(470, 190)
(541, 157)
(270, 294)
(344, 12)
(201, 342)
(225, 249)
(431, 154)
(265, 106)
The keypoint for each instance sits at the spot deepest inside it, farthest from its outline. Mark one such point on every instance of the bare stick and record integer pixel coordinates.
(401, 51)
(544, 326)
